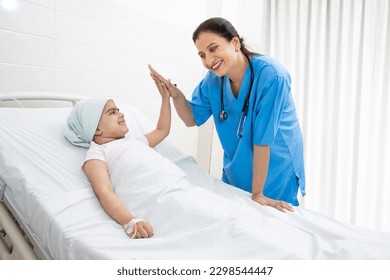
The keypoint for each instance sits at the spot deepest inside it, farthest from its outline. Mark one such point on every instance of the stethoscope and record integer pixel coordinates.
(223, 115)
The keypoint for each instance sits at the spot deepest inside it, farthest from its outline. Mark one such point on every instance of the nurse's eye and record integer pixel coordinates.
(212, 49)
(202, 56)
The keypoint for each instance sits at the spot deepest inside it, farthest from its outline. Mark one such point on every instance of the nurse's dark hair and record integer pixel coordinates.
(223, 28)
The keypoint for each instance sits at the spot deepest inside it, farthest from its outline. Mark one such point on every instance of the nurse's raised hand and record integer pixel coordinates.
(173, 90)
(277, 204)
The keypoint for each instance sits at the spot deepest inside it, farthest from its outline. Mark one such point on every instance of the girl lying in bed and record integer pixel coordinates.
(98, 124)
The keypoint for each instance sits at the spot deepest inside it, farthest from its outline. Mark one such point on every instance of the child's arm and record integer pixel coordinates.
(97, 173)
(164, 122)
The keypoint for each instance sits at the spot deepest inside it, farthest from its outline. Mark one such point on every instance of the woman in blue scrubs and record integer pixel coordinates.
(249, 97)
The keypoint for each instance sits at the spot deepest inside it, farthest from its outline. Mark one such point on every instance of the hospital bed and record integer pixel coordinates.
(48, 209)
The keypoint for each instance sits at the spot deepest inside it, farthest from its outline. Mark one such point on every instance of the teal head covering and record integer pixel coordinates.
(83, 121)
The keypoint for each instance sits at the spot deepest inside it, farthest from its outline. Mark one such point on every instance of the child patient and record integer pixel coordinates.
(99, 125)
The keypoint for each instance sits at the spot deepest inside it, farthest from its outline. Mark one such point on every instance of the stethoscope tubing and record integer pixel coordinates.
(223, 115)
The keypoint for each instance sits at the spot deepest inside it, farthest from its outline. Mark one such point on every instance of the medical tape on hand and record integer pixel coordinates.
(129, 227)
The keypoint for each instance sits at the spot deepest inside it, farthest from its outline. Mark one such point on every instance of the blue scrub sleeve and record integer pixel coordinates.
(200, 105)
(269, 109)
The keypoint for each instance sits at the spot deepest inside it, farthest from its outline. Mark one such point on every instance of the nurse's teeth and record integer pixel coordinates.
(216, 65)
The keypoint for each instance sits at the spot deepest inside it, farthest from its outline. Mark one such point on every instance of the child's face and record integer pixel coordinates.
(112, 123)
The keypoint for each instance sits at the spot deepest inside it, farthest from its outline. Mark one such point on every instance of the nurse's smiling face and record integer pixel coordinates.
(218, 54)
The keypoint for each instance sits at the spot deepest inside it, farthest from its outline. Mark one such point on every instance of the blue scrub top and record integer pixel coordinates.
(272, 120)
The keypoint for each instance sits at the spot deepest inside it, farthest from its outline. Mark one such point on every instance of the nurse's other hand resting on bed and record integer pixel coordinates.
(97, 123)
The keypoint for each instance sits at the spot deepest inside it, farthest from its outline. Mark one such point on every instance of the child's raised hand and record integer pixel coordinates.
(162, 88)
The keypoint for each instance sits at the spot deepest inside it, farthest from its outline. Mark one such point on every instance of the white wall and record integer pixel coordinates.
(102, 48)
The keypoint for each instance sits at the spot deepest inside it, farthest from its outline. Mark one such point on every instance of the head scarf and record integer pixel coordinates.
(83, 121)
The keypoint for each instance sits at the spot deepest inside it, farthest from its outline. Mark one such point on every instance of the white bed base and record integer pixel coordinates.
(16, 240)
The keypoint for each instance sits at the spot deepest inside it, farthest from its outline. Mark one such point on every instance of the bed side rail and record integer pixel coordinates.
(13, 244)
(17, 96)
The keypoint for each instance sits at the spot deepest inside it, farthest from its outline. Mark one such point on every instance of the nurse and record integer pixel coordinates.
(249, 97)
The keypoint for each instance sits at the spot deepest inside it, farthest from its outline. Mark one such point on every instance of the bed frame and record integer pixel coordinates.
(37, 95)
(17, 241)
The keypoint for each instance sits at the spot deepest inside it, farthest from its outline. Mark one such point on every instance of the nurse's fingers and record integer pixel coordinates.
(282, 206)
(172, 88)
(156, 74)
(277, 204)
(288, 207)
(153, 77)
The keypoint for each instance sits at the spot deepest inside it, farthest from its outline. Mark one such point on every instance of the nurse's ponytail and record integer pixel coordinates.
(223, 28)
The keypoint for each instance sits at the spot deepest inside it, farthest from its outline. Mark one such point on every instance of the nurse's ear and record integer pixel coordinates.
(236, 43)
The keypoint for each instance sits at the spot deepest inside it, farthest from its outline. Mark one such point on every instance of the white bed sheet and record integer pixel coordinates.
(47, 187)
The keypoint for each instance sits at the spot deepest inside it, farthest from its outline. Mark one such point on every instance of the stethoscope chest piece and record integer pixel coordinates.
(223, 115)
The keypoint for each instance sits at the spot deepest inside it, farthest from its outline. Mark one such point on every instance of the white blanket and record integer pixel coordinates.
(212, 221)
(194, 216)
